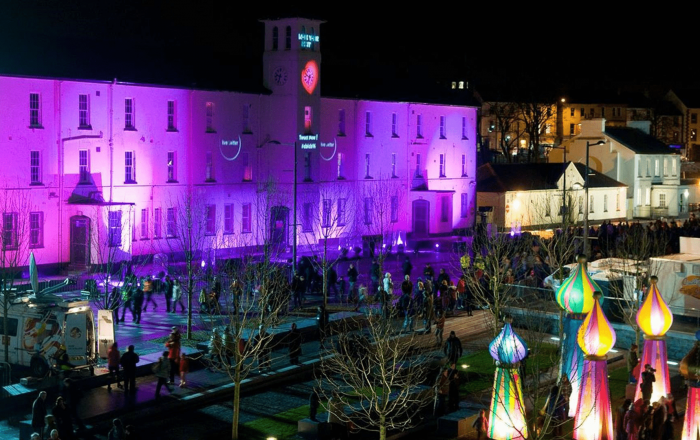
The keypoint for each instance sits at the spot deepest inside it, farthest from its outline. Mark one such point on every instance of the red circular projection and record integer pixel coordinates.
(309, 76)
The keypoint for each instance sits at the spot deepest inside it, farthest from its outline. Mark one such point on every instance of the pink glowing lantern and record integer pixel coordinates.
(507, 416)
(593, 418)
(575, 295)
(690, 369)
(654, 319)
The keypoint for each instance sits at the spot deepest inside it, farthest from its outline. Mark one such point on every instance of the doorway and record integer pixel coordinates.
(79, 241)
(421, 226)
(279, 218)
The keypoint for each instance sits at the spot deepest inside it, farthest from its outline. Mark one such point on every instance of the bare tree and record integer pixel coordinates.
(506, 125)
(537, 119)
(378, 374)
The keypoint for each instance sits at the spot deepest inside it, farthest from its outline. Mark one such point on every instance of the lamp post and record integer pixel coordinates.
(586, 246)
(294, 202)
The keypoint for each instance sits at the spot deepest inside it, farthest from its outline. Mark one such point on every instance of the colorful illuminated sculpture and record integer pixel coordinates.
(654, 319)
(575, 295)
(593, 418)
(690, 369)
(507, 416)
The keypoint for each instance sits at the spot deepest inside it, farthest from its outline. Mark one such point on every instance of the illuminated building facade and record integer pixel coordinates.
(115, 158)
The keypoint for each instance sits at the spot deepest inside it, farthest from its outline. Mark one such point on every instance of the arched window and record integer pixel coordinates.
(275, 38)
(288, 38)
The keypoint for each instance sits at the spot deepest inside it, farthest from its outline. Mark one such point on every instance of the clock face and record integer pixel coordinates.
(280, 76)
(309, 76)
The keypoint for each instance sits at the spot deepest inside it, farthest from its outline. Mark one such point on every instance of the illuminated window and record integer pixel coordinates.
(419, 126)
(9, 230)
(228, 218)
(573, 112)
(368, 210)
(172, 126)
(129, 167)
(84, 166)
(288, 38)
(367, 175)
(36, 230)
(368, 124)
(35, 167)
(444, 209)
(129, 122)
(464, 128)
(144, 224)
(275, 38)
(341, 212)
(393, 165)
(307, 166)
(246, 220)
(341, 122)
(211, 220)
(443, 128)
(442, 165)
(307, 217)
(464, 165)
(662, 200)
(327, 208)
(157, 222)
(419, 171)
(210, 117)
(172, 166)
(115, 228)
(341, 163)
(572, 128)
(394, 125)
(34, 110)
(247, 168)
(246, 119)
(209, 168)
(394, 209)
(84, 112)
(464, 205)
(308, 120)
(171, 226)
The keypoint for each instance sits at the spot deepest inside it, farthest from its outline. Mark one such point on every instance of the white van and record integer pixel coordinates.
(41, 328)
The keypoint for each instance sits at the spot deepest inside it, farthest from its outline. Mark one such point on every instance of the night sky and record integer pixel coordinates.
(217, 45)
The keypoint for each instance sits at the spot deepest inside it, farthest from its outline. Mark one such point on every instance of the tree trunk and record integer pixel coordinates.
(190, 287)
(236, 400)
(382, 427)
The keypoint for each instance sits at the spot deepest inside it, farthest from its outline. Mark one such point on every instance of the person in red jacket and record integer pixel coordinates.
(113, 358)
(173, 345)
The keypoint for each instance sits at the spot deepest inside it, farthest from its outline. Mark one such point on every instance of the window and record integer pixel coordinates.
(307, 166)
(573, 112)
(443, 129)
(367, 175)
(129, 114)
(84, 166)
(211, 220)
(34, 110)
(656, 167)
(464, 165)
(393, 165)
(617, 201)
(288, 38)
(464, 128)
(9, 230)
(246, 218)
(648, 167)
(209, 168)
(647, 196)
(171, 116)
(247, 168)
(605, 203)
(36, 229)
(592, 112)
(368, 210)
(368, 124)
(442, 165)
(591, 206)
(341, 122)
(394, 125)
(307, 216)
(693, 118)
(464, 205)
(84, 112)
(129, 167)
(673, 166)
(11, 326)
(275, 38)
(394, 209)
(35, 167)
(246, 119)
(308, 119)
(662, 200)
(602, 112)
(419, 126)
(144, 224)
(171, 226)
(419, 172)
(115, 228)
(665, 166)
(444, 209)
(580, 204)
(228, 218)
(172, 166)
(341, 212)
(327, 208)
(583, 112)
(157, 222)
(547, 207)
(210, 117)
(341, 161)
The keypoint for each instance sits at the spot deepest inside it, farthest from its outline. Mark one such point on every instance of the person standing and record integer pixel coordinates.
(453, 348)
(648, 379)
(39, 413)
(388, 285)
(332, 282)
(314, 403)
(173, 345)
(406, 268)
(352, 275)
(294, 344)
(632, 361)
(480, 424)
(453, 396)
(113, 357)
(176, 292)
(184, 368)
(62, 418)
(147, 287)
(138, 303)
(162, 371)
(74, 394)
(169, 294)
(439, 328)
(374, 275)
(117, 431)
(620, 430)
(428, 273)
(127, 302)
(322, 324)
(129, 361)
(297, 290)
(442, 390)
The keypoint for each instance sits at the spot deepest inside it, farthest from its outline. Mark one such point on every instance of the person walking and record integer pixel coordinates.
(375, 275)
(439, 327)
(297, 290)
(161, 369)
(352, 275)
(407, 268)
(442, 390)
(428, 311)
(322, 324)
(176, 293)
(137, 299)
(127, 301)
(168, 287)
(332, 283)
(480, 424)
(173, 346)
(146, 285)
(129, 361)
(39, 413)
(648, 379)
(453, 348)
(117, 431)
(453, 396)
(113, 357)
(294, 344)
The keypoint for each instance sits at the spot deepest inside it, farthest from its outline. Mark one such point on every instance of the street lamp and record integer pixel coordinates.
(586, 246)
(294, 202)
